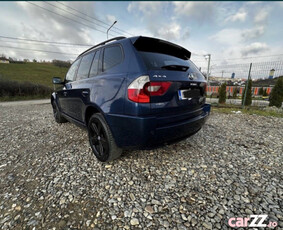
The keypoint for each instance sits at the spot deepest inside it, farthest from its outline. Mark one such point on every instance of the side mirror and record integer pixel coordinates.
(57, 80)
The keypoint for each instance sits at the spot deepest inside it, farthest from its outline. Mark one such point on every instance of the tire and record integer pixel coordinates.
(101, 140)
(57, 115)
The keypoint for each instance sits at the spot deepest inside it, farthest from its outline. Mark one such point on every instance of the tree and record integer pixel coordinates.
(60, 63)
(3, 57)
(260, 92)
(222, 94)
(276, 95)
(247, 93)
(264, 92)
(235, 92)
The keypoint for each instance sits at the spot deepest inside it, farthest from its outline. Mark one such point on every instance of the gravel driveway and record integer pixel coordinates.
(49, 178)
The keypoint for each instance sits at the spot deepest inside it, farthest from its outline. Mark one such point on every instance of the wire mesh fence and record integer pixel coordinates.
(260, 70)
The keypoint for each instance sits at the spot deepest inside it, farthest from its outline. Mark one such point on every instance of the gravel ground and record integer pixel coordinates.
(49, 179)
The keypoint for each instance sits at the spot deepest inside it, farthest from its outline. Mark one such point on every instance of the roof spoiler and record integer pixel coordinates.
(147, 44)
(103, 43)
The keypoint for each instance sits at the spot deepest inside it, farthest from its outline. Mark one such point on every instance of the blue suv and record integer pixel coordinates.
(132, 93)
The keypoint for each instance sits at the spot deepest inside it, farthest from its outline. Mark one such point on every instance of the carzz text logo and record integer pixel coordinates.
(254, 221)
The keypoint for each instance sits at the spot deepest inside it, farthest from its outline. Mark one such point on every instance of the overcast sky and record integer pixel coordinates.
(226, 30)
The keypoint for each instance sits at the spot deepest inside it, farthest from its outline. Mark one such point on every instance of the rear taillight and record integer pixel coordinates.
(141, 89)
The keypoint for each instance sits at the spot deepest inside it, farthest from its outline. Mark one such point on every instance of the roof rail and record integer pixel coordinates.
(103, 43)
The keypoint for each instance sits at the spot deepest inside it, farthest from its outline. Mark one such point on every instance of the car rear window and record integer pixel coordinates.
(163, 61)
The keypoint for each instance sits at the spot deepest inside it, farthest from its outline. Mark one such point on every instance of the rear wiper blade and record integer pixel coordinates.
(175, 67)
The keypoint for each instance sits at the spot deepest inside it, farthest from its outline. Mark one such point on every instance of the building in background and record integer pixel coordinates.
(4, 60)
(271, 74)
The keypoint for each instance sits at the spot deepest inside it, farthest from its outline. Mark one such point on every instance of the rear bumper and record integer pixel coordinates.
(131, 131)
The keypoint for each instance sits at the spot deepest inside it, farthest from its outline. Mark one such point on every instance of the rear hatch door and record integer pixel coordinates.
(168, 62)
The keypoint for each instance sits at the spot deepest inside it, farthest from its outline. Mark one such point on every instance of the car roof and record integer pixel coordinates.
(102, 43)
(148, 44)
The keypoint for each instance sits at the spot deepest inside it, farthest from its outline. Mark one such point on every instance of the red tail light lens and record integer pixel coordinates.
(157, 88)
(136, 91)
(141, 89)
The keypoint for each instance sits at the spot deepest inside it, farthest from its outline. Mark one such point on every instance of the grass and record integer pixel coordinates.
(36, 73)
(23, 98)
(227, 109)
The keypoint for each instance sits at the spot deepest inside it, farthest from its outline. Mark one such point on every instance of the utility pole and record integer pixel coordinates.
(208, 67)
(110, 28)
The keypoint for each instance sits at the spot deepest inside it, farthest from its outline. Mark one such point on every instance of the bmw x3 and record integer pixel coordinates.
(132, 93)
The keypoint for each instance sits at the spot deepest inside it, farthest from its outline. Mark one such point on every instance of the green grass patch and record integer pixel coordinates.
(266, 111)
(23, 98)
(36, 73)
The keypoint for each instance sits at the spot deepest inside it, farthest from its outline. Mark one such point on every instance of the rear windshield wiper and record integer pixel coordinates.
(175, 67)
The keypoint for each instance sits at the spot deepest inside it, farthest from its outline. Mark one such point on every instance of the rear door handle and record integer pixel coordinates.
(85, 93)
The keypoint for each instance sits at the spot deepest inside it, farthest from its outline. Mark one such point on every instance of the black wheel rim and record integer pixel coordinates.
(98, 139)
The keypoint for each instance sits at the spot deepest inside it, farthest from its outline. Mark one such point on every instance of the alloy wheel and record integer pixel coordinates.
(98, 139)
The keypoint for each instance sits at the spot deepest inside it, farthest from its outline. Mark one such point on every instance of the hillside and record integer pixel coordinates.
(38, 73)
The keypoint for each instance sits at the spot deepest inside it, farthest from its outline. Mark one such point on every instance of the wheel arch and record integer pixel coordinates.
(91, 109)
(52, 97)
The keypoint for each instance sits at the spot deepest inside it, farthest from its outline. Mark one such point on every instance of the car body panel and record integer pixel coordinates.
(151, 130)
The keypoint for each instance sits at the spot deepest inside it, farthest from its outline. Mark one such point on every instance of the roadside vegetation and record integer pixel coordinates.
(222, 94)
(13, 90)
(275, 101)
(29, 80)
(276, 96)
(252, 110)
(247, 97)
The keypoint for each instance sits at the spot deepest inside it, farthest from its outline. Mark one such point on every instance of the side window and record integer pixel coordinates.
(112, 56)
(72, 71)
(84, 66)
(95, 64)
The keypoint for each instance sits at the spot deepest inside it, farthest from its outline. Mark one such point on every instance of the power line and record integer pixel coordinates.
(243, 58)
(115, 28)
(56, 46)
(68, 18)
(48, 42)
(202, 55)
(248, 57)
(36, 50)
(79, 16)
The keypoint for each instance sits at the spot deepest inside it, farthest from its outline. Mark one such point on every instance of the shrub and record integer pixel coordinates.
(260, 92)
(222, 94)
(235, 92)
(276, 95)
(13, 88)
(60, 63)
(248, 93)
(264, 92)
